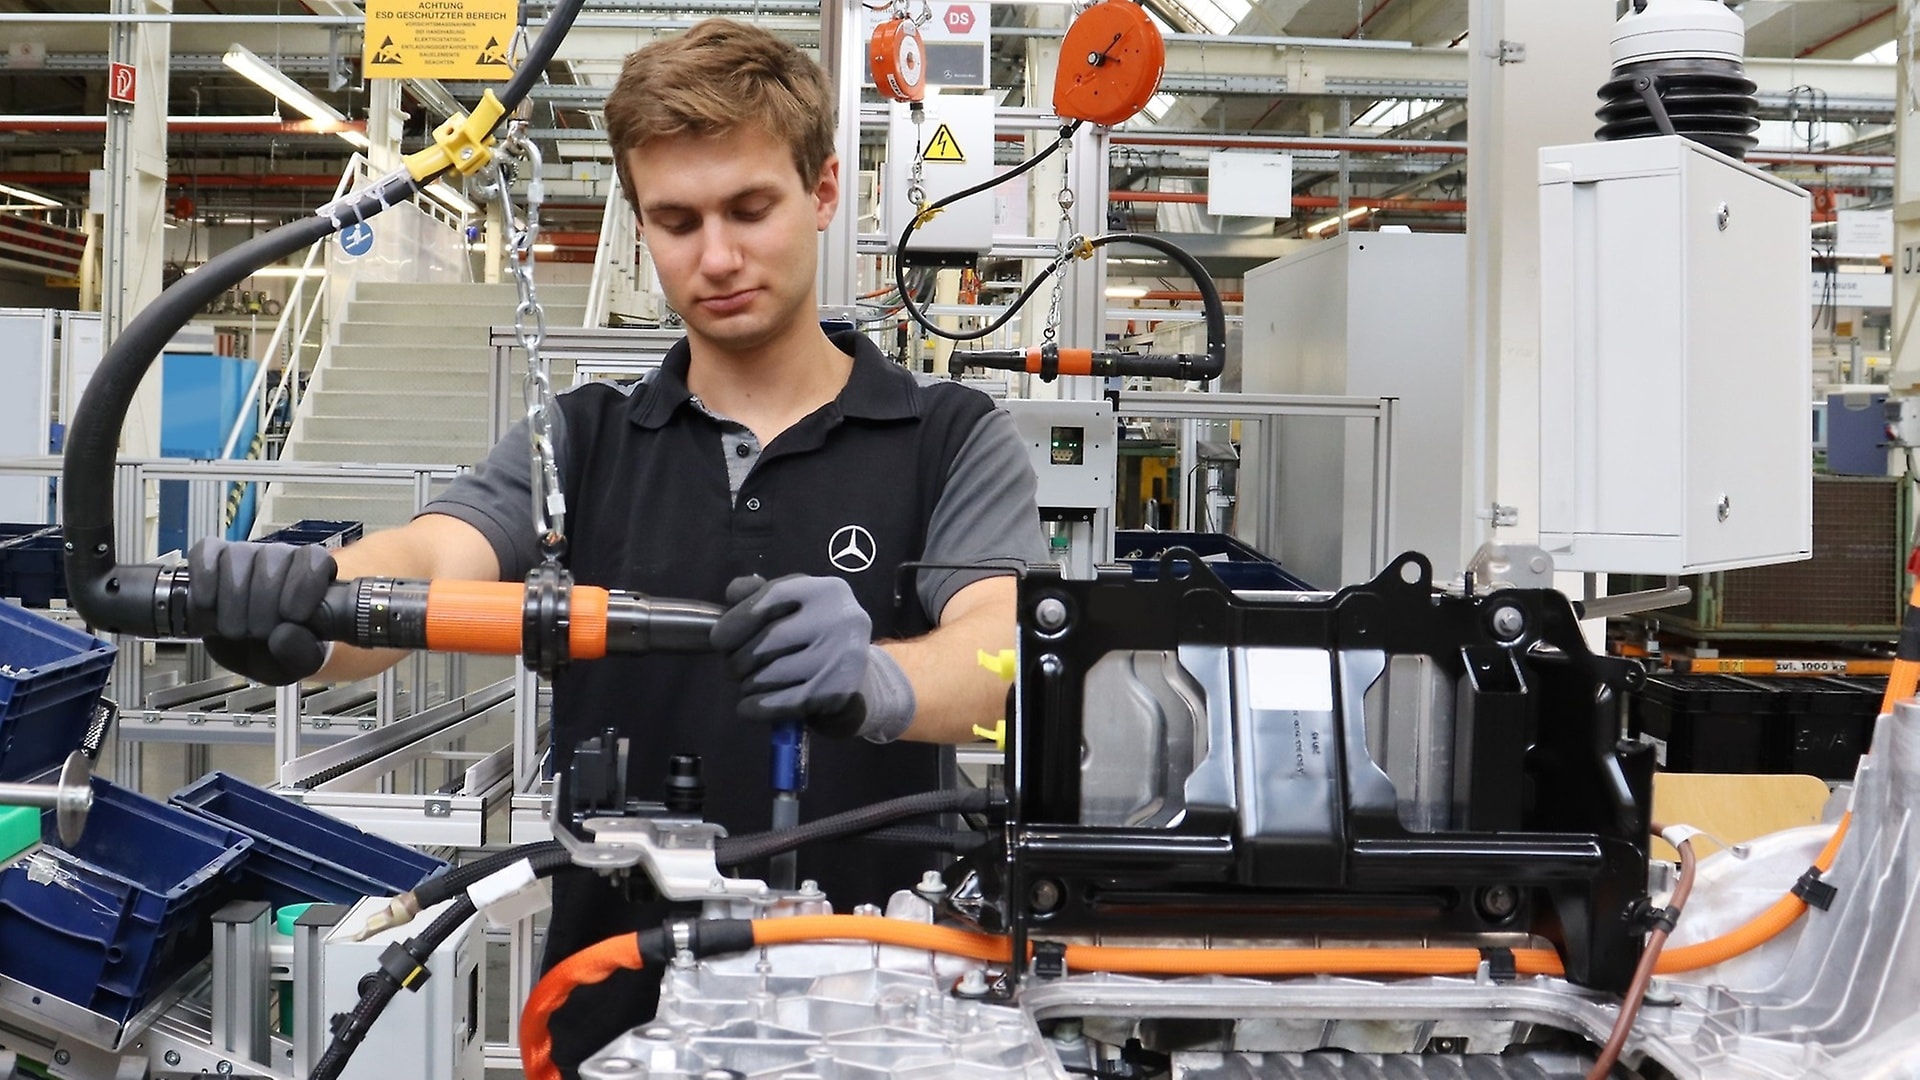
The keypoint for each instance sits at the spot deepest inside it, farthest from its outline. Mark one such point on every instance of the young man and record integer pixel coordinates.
(767, 465)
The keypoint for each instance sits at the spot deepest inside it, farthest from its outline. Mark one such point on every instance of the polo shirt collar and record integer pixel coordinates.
(876, 389)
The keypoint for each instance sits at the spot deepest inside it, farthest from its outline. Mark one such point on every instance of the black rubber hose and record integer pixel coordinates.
(348, 1034)
(900, 251)
(734, 850)
(456, 880)
(955, 841)
(127, 599)
(1216, 312)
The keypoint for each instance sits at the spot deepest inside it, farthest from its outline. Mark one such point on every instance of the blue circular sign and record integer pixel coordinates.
(357, 239)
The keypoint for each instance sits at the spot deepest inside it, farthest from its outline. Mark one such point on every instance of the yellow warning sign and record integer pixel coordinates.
(439, 39)
(944, 148)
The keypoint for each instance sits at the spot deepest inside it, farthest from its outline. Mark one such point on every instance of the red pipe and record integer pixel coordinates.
(1228, 142)
(89, 124)
(1304, 202)
(1861, 25)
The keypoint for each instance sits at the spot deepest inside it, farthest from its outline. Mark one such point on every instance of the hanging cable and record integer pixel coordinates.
(925, 213)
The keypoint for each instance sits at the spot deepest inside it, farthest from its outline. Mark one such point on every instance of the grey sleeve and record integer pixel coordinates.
(497, 498)
(987, 512)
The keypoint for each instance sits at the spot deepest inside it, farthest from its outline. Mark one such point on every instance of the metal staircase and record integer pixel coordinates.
(405, 382)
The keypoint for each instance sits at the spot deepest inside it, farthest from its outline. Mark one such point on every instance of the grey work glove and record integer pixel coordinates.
(802, 646)
(261, 596)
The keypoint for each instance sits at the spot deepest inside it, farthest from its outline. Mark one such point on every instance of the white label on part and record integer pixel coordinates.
(1289, 679)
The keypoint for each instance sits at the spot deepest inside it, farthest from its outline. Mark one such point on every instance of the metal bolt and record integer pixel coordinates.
(1508, 622)
(810, 887)
(1499, 902)
(1045, 896)
(1093, 58)
(172, 1057)
(1050, 613)
(1724, 508)
(616, 1065)
(1722, 216)
(224, 1068)
(871, 910)
(61, 1057)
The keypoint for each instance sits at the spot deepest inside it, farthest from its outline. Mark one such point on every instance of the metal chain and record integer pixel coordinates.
(1067, 244)
(916, 185)
(530, 330)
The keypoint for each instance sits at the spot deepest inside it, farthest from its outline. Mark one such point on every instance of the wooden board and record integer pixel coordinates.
(1734, 807)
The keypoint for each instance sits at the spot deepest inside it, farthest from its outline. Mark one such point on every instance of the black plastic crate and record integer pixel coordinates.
(331, 534)
(1236, 564)
(30, 566)
(1712, 723)
(123, 912)
(300, 854)
(1830, 724)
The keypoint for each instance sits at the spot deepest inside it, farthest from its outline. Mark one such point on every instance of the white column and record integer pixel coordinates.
(132, 239)
(385, 122)
(1536, 67)
(843, 54)
(1906, 208)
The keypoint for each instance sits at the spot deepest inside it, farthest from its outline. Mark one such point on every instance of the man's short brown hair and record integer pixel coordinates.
(717, 78)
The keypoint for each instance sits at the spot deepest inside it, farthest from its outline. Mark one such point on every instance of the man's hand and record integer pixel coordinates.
(802, 646)
(261, 596)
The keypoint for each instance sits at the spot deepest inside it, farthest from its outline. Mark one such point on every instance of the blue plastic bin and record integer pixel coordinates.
(300, 854)
(50, 677)
(1236, 564)
(122, 913)
(330, 534)
(30, 568)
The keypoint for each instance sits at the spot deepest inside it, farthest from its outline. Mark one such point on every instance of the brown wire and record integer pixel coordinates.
(1643, 974)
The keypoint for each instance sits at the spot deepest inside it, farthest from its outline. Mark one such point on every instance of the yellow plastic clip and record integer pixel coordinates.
(461, 144)
(997, 734)
(1085, 250)
(1001, 663)
(925, 215)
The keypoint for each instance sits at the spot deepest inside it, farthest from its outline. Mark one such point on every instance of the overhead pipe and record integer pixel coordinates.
(210, 125)
(1305, 202)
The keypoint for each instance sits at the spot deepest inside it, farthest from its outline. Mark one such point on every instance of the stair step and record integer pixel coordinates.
(482, 312)
(379, 451)
(421, 387)
(412, 357)
(469, 335)
(417, 429)
(383, 405)
(443, 292)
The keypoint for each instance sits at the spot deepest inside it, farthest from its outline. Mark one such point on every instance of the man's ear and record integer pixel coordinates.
(826, 193)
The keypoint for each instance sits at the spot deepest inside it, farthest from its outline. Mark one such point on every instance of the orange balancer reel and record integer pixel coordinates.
(1110, 64)
(898, 61)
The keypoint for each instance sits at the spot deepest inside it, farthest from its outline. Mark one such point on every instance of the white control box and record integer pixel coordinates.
(1675, 345)
(955, 143)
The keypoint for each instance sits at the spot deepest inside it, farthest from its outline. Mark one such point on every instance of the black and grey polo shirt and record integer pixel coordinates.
(666, 498)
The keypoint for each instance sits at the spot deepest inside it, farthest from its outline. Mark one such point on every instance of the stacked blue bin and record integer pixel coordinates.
(1237, 564)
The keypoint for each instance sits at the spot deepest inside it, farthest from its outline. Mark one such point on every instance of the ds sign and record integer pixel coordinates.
(959, 19)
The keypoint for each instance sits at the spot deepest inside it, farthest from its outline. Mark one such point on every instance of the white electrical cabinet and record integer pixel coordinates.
(431, 1032)
(954, 140)
(1675, 348)
(1367, 314)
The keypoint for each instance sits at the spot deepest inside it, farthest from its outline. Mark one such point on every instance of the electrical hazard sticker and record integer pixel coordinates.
(439, 39)
(944, 147)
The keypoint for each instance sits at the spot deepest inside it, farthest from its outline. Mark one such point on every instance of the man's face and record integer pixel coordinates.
(733, 232)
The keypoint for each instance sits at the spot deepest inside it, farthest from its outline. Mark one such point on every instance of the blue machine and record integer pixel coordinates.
(201, 397)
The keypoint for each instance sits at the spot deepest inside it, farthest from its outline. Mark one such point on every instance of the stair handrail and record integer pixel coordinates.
(613, 257)
(288, 313)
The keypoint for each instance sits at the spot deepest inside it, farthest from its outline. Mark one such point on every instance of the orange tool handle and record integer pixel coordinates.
(489, 616)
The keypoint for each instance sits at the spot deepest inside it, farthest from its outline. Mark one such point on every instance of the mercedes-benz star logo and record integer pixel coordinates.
(852, 549)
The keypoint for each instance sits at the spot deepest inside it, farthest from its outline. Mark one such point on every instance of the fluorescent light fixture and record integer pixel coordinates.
(545, 249)
(26, 196)
(1126, 292)
(459, 203)
(1327, 223)
(273, 81)
(243, 221)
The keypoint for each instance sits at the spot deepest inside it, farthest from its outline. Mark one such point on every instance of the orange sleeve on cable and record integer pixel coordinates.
(475, 616)
(984, 947)
(1756, 931)
(1068, 361)
(584, 968)
(488, 617)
